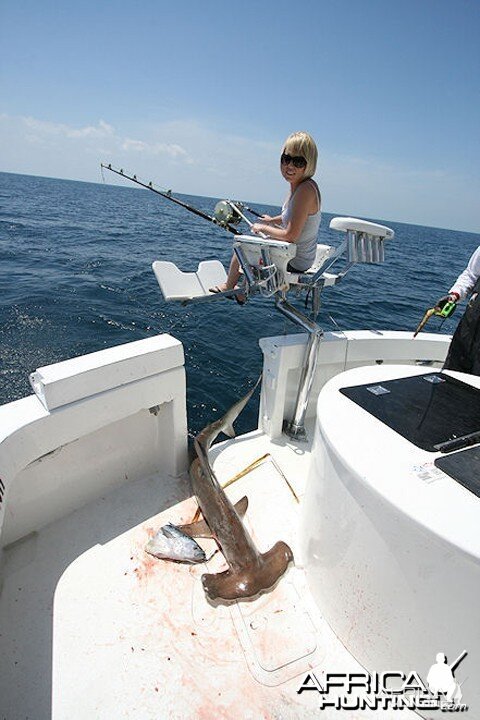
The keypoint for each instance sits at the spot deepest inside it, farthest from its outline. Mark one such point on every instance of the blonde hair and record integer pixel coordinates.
(301, 143)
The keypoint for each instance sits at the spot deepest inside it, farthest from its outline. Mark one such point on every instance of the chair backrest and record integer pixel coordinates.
(267, 260)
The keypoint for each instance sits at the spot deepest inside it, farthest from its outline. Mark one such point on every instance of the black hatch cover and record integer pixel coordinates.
(464, 467)
(433, 411)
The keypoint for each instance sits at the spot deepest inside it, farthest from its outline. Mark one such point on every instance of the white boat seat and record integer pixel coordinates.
(182, 286)
(265, 261)
(281, 254)
(281, 251)
(268, 258)
(322, 254)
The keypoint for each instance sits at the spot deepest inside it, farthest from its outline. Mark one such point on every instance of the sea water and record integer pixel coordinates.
(76, 277)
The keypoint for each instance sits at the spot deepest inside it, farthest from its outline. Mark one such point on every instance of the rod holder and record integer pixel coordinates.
(364, 248)
(365, 240)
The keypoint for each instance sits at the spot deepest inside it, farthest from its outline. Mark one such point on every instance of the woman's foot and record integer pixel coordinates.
(241, 299)
(219, 288)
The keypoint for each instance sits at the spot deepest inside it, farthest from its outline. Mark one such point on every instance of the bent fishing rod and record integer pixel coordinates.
(226, 211)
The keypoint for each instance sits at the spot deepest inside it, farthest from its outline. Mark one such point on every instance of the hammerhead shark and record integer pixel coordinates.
(250, 572)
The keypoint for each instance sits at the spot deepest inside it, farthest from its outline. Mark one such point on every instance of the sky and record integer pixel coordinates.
(200, 96)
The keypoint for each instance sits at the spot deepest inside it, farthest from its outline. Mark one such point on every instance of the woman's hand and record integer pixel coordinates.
(257, 228)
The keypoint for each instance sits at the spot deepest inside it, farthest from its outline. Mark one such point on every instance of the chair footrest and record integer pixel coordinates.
(178, 285)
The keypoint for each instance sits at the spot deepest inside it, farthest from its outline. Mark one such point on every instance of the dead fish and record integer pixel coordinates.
(201, 529)
(249, 572)
(170, 543)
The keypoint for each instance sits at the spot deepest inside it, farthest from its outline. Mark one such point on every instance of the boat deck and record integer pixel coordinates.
(93, 627)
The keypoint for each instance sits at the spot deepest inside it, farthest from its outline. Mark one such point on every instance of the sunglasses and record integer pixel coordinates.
(297, 160)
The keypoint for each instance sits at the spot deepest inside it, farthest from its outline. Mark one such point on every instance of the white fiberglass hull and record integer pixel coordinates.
(391, 543)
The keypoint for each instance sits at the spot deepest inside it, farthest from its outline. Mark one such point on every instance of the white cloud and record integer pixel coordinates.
(192, 158)
(40, 147)
(103, 129)
(184, 155)
(171, 149)
(137, 145)
(44, 129)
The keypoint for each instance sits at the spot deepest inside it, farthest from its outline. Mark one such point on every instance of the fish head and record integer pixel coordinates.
(170, 543)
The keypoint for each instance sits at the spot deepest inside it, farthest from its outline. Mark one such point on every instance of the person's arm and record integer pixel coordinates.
(268, 220)
(301, 208)
(465, 282)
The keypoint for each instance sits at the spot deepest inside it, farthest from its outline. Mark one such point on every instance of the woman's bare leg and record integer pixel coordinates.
(232, 277)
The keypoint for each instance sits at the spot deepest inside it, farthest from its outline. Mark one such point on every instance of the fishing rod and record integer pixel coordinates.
(226, 212)
(249, 209)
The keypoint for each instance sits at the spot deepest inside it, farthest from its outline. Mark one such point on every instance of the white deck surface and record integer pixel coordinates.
(91, 627)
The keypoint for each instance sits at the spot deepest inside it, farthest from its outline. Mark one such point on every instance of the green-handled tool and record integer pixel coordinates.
(446, 310)
(443, 310)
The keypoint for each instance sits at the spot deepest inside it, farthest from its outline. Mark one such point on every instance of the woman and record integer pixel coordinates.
(301, 212)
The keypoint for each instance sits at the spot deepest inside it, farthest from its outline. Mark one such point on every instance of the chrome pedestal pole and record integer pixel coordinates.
(295, 428)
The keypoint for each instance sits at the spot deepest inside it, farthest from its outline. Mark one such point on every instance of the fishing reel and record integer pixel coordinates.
(226, 214)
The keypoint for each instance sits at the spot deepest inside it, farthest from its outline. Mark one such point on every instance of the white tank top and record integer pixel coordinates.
(307, 242)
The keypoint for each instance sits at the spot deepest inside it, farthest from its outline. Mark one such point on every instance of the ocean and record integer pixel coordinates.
(76, 277)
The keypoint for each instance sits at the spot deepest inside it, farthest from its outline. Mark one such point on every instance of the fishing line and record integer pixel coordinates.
(428, 405)
(307, 297)
(335, 323)
(168, 195)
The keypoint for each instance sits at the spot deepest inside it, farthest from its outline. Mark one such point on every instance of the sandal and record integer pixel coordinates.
(216, 289)
(240, 300)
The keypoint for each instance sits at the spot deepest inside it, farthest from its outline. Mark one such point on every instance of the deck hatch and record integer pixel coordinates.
(464, 467)
(435, 412)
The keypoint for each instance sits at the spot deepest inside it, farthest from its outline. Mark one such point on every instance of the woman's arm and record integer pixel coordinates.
(303, 205)
(267, 219)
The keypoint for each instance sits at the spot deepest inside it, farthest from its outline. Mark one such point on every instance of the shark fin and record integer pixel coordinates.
(229, 431)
